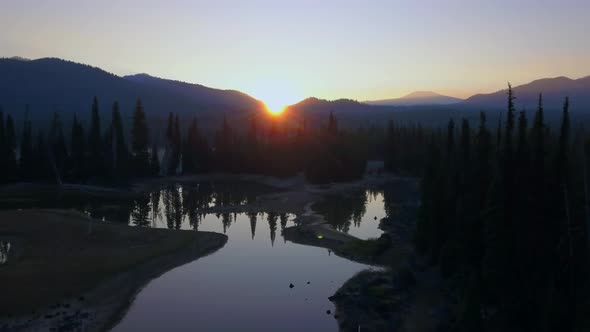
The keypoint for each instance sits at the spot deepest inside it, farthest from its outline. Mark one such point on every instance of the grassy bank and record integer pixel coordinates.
(58, 256)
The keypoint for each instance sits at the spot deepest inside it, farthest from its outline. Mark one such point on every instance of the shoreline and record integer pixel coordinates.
(101, 311)
(142, 276)
(91, 296)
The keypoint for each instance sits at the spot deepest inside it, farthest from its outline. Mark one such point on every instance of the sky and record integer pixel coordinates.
(288, 50)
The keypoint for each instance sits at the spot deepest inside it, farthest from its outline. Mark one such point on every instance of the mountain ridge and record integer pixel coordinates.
(554, 91)
(417, 98)
(52, 84)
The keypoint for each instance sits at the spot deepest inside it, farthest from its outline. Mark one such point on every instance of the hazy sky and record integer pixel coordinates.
(289, 50)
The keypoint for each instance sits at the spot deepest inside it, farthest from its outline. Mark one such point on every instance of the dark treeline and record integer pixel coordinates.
(266, 145)
(504, 216)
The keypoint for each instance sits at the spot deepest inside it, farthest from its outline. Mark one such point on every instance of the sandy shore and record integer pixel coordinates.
(66, 272)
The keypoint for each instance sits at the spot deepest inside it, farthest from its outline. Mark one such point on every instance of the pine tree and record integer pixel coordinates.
(78, 158)
(390, 151)
(58, 148)
(188, 150)
(538, 180)
(223, 147)
(118, 147)
(27, 163)
(450, 138)
(483, 159)
(95, 146)
(11, 162)
(564, 139)
(481, 184)
(502, 259)
(139, 142)
(563, 241)
(499, 137)
(465, 143)
(538, 139)
(173, 146)
(155, 161)
(273, 131)
(43, 168)
(332, 124)
(508, 148)
(177, 139)
(195, 157)
(431, 228)
(522, 151)
(3, 150)
(252, 147)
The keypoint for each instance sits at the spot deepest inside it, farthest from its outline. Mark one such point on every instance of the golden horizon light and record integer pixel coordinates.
(276, 94)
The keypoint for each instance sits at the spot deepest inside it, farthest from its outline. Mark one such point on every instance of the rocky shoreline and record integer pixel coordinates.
(401, 294)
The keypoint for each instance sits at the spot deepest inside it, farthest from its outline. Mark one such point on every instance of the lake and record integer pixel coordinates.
(357, 213)
(244, 286)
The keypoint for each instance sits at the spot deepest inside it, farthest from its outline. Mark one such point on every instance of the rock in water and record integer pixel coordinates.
(328, 312)
(291, 285)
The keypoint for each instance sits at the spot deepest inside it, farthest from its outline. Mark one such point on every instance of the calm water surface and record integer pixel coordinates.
(245, 285)
(357, 213)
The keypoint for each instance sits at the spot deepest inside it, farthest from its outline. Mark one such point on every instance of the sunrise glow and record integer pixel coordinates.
(275, 93)
(443, 136)
(274, 110)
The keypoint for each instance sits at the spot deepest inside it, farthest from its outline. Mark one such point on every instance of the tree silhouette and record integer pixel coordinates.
(513, 236)
(154, 161)
(95, 145)
(59, 149)
(119, 154)
(3, 150)
(78, 161)
(139, 142)
(11, 168)
(27, 163)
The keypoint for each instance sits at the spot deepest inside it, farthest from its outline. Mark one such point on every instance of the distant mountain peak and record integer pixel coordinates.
(139, 75)
(552, 80)
(19, 58)
(554, 90)
(417, 98)
(422, 94)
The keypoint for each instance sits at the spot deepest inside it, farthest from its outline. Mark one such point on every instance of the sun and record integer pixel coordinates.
(275, 94)
(275, 107)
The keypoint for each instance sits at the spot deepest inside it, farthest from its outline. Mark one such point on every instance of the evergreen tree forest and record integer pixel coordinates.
(103, 151)
(504, 217)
